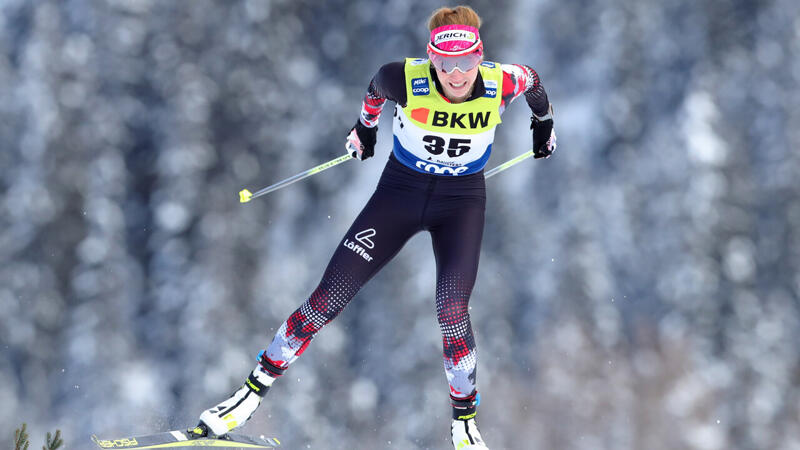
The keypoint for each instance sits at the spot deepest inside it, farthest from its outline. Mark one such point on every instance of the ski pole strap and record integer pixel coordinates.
(258, 388)
(465, 408)
(273, 369)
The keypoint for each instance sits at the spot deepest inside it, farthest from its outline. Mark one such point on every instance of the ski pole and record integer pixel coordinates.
(508, 164)
(245, 195)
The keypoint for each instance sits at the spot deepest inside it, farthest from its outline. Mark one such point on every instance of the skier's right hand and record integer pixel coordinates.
(361, 141)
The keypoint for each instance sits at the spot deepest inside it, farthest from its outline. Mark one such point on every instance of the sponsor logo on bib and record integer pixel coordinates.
(419, 86)
(491, 88)
(441, 170)
(454, 120)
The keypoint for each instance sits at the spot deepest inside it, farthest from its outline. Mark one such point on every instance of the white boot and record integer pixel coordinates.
(466, 435)
(235, 411)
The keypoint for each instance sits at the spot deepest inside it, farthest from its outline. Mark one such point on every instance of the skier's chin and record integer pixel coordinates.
(457, 96)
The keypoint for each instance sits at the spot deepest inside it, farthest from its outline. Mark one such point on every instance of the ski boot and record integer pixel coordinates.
(464, 430)
(235, 411)
(466, 435)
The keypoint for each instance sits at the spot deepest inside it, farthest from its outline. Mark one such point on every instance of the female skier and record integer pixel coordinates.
(447, 108)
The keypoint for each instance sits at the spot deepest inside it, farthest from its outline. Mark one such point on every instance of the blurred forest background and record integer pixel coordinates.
(639, 290)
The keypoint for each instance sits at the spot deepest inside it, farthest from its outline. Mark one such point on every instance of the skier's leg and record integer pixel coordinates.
(388, 220)
(380, 231)
(456, 243)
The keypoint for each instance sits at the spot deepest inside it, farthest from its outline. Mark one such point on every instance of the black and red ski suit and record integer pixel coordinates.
(405, 202)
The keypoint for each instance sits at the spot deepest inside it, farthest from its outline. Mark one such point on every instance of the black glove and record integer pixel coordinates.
(361, 141)
(544, 140)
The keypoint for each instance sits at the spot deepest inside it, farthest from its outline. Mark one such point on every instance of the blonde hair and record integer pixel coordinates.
(459, 15)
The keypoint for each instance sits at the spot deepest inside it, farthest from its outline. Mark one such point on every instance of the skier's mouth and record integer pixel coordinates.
(458, 85)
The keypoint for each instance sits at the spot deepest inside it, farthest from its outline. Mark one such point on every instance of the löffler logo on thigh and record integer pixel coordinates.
(362, 237)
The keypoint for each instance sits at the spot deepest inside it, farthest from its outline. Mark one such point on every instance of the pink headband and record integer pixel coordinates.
(454, 40)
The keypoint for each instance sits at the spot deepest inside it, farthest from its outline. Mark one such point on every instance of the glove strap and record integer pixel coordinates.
(353, 145)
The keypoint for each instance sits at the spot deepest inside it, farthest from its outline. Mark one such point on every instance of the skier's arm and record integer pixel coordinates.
(521, 79)
(388, 84)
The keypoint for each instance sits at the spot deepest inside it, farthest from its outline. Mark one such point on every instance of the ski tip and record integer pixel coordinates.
(273, 441)
(245, 196)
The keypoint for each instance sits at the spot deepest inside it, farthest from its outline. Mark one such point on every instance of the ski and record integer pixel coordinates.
(181, 439)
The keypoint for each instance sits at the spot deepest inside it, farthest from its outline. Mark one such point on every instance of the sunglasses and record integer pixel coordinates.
(448, 64)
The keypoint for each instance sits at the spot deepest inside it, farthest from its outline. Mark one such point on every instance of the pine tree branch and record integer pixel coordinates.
(21, 438)
(53, 442)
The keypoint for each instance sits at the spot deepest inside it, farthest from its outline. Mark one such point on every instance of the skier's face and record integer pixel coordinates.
(457, 85)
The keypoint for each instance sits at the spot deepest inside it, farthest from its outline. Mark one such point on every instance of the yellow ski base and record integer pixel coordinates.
(180, 439)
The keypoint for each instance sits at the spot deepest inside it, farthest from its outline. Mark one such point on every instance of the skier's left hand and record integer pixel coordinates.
(544, 137)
